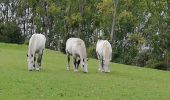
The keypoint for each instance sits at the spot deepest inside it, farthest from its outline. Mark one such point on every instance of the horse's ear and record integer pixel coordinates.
(27, 55)
(31, 55)
(83, 59)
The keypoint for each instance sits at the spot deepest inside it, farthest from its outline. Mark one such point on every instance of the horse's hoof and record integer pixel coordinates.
(75, 70)
(68, 68)
(30, 70)
(106, 70)
(37, 69)
(99, 71)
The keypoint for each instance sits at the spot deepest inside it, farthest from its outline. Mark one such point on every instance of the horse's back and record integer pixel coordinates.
(103, 46)
(108, 46)
(74, 43)
(99, 45)
(74, 40)
(37, 41)
(41, 39)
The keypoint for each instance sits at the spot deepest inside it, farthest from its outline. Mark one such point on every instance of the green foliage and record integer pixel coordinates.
(127, 21)
(40, 10)
(32, 3)
(131, 23)
(53, 9)
(105, 7)
(91, 51)
(136, 39)
(10, 33)
(38, 22)
(142, 59)
(129, 54)
(73, 20)
(152, 63)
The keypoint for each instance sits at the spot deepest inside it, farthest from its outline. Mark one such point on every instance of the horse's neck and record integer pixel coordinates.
(83, 53)
(31, 51)
(32, 48)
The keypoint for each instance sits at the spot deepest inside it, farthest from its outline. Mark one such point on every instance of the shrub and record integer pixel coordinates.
(10, 33)
(142, 58)
(91, 51)
(157, 64)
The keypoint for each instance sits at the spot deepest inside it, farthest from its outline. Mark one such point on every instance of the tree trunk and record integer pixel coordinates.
(7, 12)
(47, 27)
(112, 34)
(81, 10)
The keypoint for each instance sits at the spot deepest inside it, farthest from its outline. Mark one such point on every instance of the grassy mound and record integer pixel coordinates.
(54, 82)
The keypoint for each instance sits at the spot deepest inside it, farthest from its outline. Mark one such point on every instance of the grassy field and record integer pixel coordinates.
(54, 82)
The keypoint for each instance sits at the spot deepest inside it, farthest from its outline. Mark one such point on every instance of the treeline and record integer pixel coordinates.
(139, 30)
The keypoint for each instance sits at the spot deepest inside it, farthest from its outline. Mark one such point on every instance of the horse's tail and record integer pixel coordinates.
(107, 50)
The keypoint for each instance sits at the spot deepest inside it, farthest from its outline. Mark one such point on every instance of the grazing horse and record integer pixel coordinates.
(36, 46)
(104, 54)
(76, 47)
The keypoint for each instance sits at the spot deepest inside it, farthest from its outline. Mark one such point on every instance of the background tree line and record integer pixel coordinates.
(139, 30)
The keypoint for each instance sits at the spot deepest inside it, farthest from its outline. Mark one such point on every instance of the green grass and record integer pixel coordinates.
(54, 82)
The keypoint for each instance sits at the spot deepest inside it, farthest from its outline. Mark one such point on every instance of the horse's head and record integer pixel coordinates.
(84, 64)
(30, 59)
(106, 63)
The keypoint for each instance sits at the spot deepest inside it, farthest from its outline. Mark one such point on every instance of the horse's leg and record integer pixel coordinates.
(34, 61)
(99, 66)
(108, 70)
(102, 65)
(68, 62)
(100, 62)
(39, 60)
(78, 62)
(75, 64)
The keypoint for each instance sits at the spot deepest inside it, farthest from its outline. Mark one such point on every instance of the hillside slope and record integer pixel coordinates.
(55, 82)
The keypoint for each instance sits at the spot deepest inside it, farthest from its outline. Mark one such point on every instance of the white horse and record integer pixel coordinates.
(76, 47)
(104, 54)
(36, 46)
